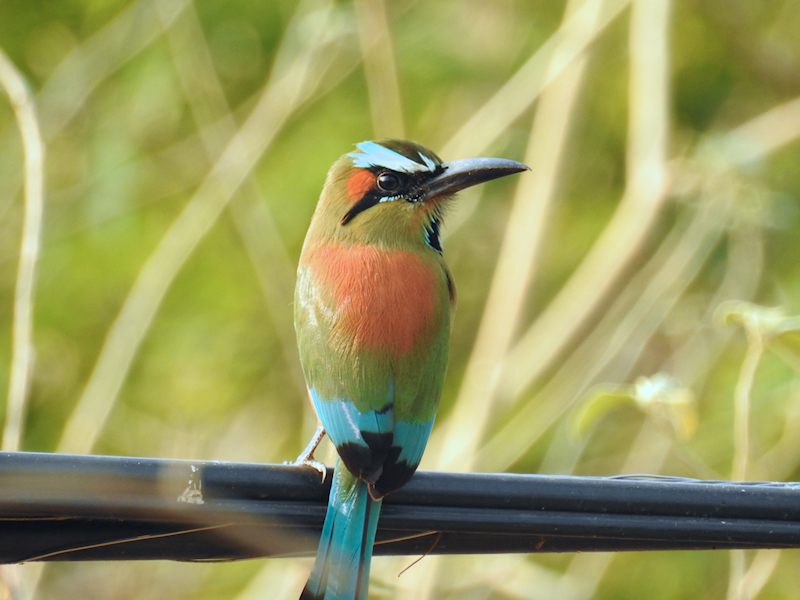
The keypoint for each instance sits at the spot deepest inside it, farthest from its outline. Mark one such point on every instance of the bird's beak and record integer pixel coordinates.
(460, 174)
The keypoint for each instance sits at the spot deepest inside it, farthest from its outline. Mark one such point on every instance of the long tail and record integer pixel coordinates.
(341, 571)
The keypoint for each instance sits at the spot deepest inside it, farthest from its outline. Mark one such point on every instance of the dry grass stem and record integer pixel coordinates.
(610, 350)
(630, 225)
(251, 213)
(540, 70)
(745, 261)
(766, 133)
(742, 400)
(518, 258)
(22, 353)
(95, 59)
(383, 87)
(736, 575)
(759, 573)
(506, 105)
(575, 301)
(290, 85)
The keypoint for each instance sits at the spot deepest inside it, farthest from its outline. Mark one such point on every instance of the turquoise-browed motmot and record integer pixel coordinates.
(373, 305)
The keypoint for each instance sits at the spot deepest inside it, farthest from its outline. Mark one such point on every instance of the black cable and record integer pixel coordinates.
(65, 507)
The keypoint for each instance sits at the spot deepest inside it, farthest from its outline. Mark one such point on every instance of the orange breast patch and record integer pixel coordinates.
(384, 300)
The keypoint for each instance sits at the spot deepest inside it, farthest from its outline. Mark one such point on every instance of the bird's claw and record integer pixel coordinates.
(314, 464)
(306, 457)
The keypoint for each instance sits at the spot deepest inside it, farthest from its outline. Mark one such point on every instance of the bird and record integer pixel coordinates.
(373, 306)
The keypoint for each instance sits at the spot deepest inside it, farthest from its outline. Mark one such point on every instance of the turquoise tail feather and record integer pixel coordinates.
(341, 570)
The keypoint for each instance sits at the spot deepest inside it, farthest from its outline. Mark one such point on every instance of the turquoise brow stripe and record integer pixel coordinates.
(375, 155)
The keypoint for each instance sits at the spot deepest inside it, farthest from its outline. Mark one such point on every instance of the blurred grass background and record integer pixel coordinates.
(611, 303)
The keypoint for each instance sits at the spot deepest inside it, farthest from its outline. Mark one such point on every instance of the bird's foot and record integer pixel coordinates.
(314, 464)
(306, 457)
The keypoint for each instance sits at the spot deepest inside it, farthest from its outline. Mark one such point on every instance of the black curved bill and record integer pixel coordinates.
(464, 173)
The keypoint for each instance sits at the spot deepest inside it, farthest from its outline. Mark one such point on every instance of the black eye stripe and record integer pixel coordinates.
(407, 188)
(369, 200)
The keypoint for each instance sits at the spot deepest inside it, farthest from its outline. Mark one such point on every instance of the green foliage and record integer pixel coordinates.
(593, 292)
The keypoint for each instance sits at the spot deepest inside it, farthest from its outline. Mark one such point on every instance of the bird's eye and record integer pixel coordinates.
(388, 182)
